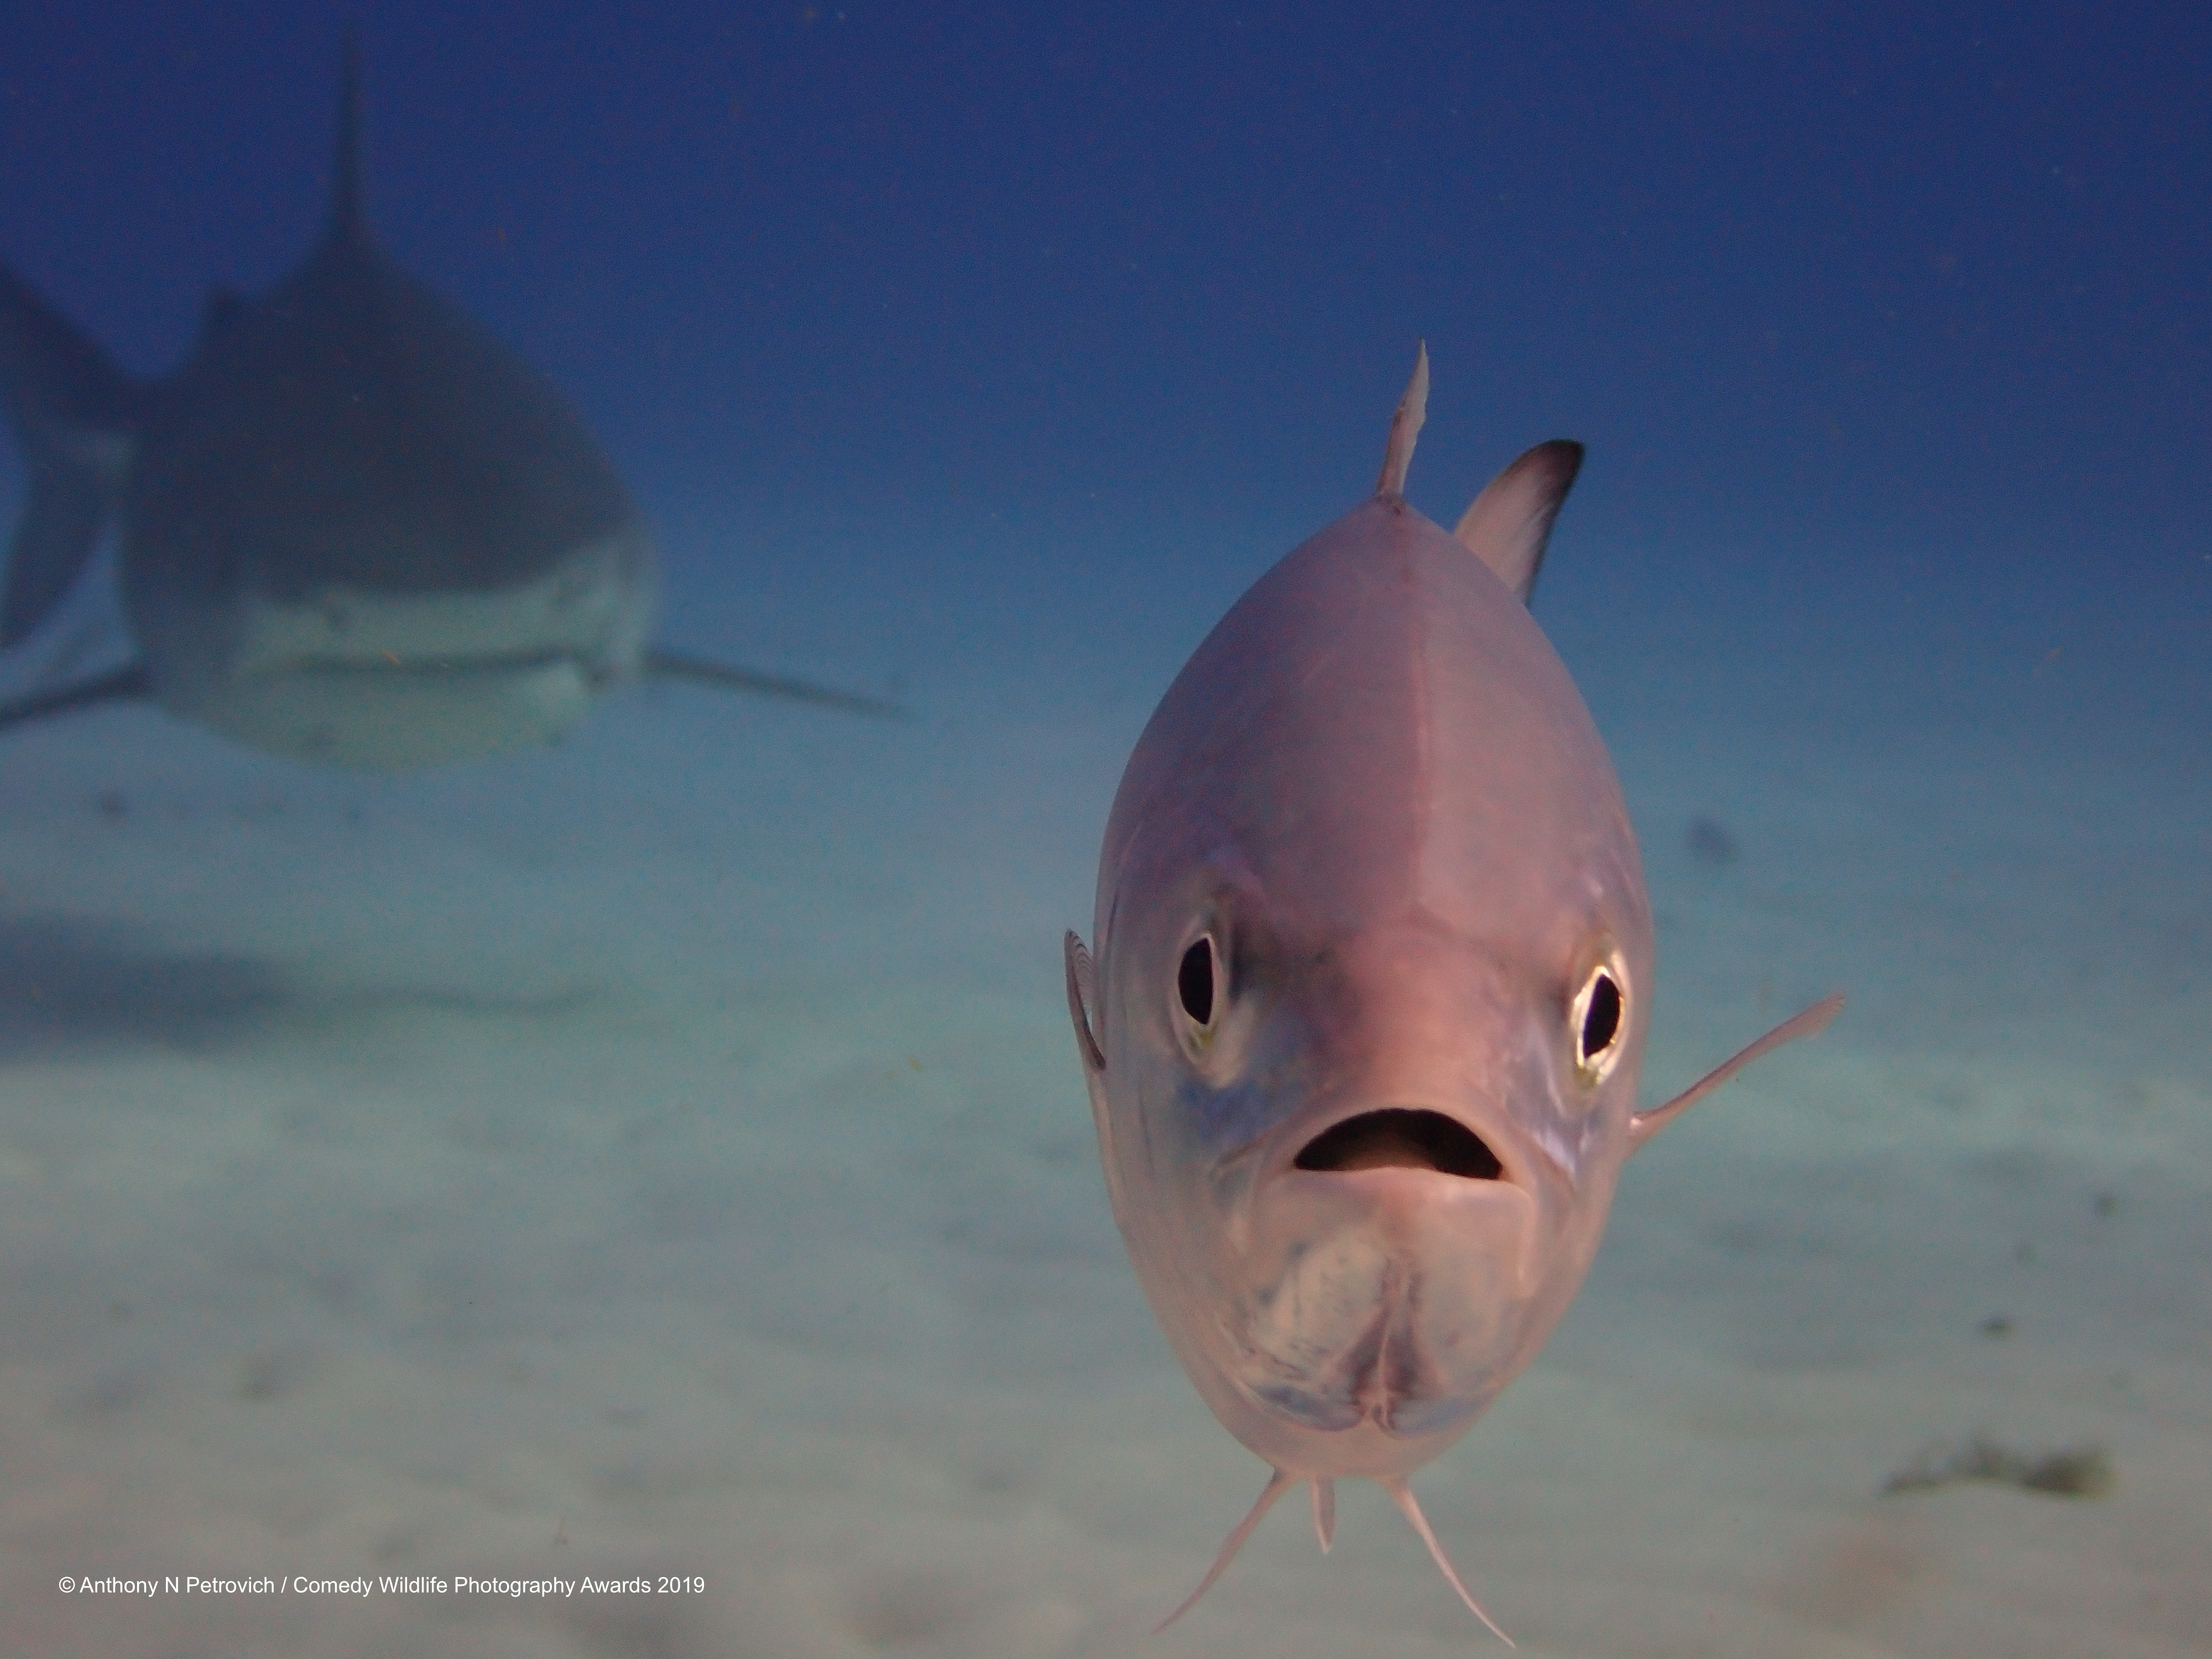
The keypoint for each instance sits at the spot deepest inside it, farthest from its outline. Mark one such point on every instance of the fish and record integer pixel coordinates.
(355, 528)
(1371, 985)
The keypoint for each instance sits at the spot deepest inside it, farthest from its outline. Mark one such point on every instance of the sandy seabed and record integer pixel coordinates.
(664, 1158)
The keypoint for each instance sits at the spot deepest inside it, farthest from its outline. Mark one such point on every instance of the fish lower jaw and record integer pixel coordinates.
(1384, 1411)
(1371, 1315)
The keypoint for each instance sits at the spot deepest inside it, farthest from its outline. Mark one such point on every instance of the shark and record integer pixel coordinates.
(352, 527)
(1371, 984)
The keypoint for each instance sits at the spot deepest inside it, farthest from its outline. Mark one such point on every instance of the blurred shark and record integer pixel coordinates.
(1373, 979)
(355, 528)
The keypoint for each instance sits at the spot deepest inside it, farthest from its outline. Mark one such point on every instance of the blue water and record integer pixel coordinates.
(665, 1154)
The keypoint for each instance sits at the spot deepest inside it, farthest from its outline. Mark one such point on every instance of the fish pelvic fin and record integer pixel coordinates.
(1403, 1495)
(1324, 1511)
(1405, 427)
(1277, 1486)
(1811, 1023)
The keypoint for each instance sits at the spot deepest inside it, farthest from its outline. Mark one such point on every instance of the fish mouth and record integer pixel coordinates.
(1399, 1138)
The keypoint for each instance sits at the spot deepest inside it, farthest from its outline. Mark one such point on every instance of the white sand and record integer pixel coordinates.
(665, 1156)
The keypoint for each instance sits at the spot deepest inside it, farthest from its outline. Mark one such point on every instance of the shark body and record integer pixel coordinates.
(354, 527)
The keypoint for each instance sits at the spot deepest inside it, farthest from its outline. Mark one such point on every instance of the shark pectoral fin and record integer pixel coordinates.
(1324, 1509)
(1404, 428)
(1403, 1495)
(1813, 1021)
(1511, 522)
(674, 666)
(1274, 1489)
(122, 685)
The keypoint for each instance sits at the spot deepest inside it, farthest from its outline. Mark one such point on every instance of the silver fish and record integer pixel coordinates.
(1372, 983)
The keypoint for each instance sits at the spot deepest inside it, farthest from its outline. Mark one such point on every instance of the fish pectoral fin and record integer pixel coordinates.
(122, 685)
(1081, 994)
(1813, 1021)
(1082, 998)
(1403, 1495)
(675, 665)
(1280, 1484)
(1510, 524)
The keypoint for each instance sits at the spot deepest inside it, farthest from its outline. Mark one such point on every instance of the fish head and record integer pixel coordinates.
(1365, 1025)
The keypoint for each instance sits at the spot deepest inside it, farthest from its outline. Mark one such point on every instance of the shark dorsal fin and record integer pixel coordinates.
(1511, 521)
(347, 223)
(1405, 427)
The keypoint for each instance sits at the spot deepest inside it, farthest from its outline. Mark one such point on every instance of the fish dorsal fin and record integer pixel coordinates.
(1405, 427)
(1511, 521)
(348, 226)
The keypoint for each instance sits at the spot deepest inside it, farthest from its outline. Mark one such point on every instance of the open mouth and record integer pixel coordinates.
(447, 666)
(1401, 1140)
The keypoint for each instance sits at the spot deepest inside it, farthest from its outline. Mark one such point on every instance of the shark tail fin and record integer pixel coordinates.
(75, 413)
(1403, 1495)
(1278, 1483)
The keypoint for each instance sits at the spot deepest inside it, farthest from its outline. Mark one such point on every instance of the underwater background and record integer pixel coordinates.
(665, 1156)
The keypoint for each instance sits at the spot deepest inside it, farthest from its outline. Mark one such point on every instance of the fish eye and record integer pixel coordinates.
(1195, 981)
(1598, 1016)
